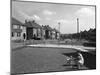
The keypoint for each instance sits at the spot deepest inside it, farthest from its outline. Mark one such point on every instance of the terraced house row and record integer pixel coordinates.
(32, 30)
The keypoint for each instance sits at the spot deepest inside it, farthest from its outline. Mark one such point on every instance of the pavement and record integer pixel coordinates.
(51, 44)
(80, 48)
(16, 45)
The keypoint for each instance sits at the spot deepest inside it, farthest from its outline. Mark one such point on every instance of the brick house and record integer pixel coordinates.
(18, 29)
(33, 30)
(57, 34)
(47, 32)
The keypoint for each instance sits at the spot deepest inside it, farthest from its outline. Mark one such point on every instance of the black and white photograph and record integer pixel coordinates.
(52, 37)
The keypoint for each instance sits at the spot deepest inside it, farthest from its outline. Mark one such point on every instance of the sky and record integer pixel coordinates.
(52, 13)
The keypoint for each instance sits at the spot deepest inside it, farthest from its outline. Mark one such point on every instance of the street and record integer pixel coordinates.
(31, 60)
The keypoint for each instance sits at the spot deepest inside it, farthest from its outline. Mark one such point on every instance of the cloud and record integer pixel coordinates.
(86, 12)
(36, 17)
(47, 18)
(62, 21)
(24, 15)
(47, 12)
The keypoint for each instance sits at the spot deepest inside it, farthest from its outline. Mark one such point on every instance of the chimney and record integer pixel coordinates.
(25, 21)
(33, 21)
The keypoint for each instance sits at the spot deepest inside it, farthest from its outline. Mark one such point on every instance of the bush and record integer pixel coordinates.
(18, 41)
(90, 44)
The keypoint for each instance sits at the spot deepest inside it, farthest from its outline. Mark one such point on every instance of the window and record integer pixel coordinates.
(34, 31)
(16, 26)
(12, 34)
(24, 27)
(18, 34)
(21, 27)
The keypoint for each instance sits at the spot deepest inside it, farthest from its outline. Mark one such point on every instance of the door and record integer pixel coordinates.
(29, 33)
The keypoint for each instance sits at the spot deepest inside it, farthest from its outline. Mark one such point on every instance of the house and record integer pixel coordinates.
(17, 29)
(37, 30)
(33, 30)
(47, 32)
(43, 32)
(53, 34)
(57, 34)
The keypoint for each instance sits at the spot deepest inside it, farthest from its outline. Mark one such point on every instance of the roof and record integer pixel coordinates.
(28, 24)
(32, 24)
(47, 28)
(15, 21)
(56, 30)
(35, 25)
